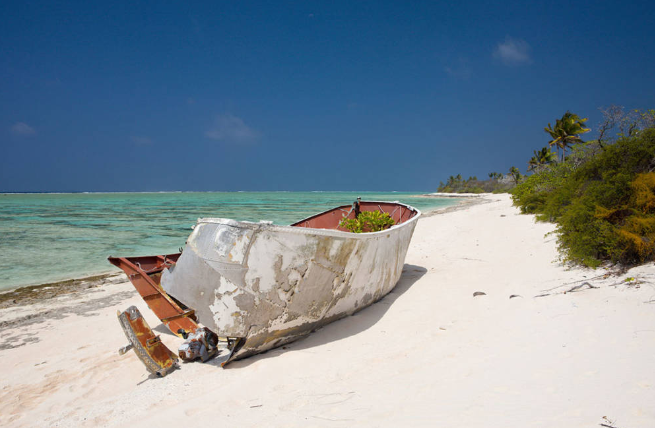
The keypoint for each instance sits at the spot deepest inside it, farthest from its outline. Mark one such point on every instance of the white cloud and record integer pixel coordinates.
(513, 51)
(227, 127)
(22, 129)
(141, 141)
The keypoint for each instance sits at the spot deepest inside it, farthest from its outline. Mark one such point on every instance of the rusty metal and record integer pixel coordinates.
(259, 286)
(157, 358)
(200, 344)
(145, 275)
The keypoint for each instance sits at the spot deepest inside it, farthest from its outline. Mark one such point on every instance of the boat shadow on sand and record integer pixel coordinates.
(345, 327)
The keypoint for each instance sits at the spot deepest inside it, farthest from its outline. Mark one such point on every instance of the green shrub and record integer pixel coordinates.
(603, 201)
(368, 221)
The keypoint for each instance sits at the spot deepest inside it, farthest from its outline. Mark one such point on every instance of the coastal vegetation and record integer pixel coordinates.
(368, 221)
(540, 159)
(602, 194)
(566, 132)
(497, 183)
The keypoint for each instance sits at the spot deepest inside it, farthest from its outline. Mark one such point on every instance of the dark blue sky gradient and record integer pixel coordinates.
(138, 96)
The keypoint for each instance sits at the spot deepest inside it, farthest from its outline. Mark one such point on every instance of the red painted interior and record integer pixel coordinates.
(330, 219)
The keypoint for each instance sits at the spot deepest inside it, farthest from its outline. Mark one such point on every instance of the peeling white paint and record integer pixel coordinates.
(225, 286)
(275, 283)
(224, 308)
(232, 242)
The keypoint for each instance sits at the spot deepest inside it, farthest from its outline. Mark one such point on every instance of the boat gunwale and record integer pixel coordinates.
(315, 231)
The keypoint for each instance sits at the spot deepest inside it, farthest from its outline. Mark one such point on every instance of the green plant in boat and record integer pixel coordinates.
(368, 221)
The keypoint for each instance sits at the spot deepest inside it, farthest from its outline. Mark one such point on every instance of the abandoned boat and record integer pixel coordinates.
(260, 285)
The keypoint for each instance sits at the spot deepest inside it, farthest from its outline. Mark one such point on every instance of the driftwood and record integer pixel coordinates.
(572, 289)
(603, 276)
(578, 287)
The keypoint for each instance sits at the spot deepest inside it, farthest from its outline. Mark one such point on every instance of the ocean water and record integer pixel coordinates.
(52, 237)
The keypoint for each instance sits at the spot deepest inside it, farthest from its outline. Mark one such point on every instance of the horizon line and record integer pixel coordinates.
(83, 192)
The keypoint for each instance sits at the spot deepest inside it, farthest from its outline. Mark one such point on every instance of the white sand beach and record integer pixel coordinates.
(573, 348)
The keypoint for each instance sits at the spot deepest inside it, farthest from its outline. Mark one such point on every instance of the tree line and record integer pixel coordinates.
(601, 194)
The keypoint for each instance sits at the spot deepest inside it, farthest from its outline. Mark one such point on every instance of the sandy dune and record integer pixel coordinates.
(428, 354)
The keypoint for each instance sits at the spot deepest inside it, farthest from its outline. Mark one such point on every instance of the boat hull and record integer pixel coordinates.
(272, 284)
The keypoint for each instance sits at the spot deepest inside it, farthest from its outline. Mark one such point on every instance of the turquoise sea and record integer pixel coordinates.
(52, 237)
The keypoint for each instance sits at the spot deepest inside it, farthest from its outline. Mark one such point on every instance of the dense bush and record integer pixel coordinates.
(368, 221)
(603, 201)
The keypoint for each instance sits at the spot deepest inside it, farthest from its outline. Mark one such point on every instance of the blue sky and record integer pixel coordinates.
(139, 96)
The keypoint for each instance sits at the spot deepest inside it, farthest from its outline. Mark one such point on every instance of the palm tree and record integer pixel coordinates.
(542, 157)
(566, 131)
(515, 173)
